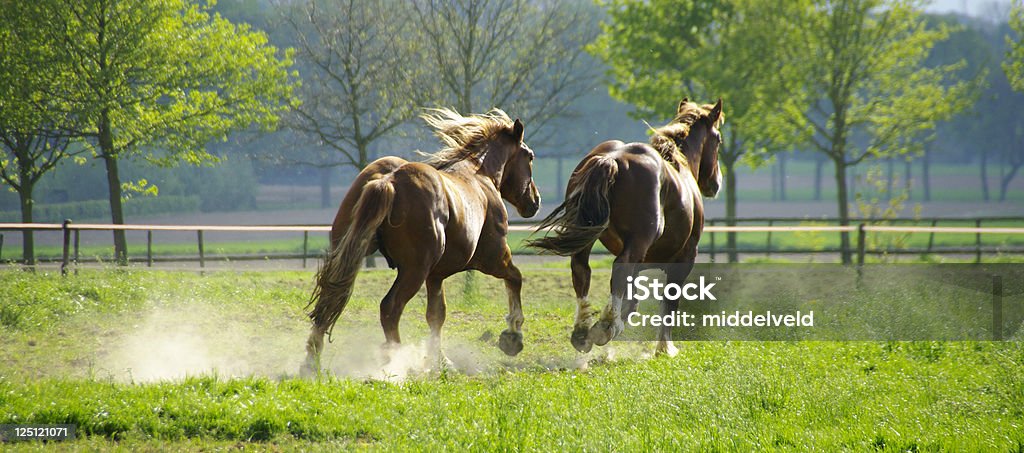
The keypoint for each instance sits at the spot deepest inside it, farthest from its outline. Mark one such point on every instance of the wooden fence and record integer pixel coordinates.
(713, 230)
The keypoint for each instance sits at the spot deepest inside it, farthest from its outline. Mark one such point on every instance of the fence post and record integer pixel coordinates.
(997, 308)
(931, 236)
(861, 244)
(202, 257)
(977, 241)
(77, 234)
(768, 244)
(67, 246)
(149, 248)
(305, 247)
(1, 248)
(712, 242)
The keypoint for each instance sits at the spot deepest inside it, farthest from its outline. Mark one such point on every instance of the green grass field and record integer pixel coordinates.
(89, 350)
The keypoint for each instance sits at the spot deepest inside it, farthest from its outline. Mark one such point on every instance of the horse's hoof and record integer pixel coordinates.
(309, 369)
(604, 330)
(666, 349)
(511, 343)
(439, 363)
(580, 339)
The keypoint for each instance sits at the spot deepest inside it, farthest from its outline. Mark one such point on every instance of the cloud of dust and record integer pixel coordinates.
(194, 338)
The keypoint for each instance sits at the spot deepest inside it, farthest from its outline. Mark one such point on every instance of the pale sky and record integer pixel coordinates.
(988, 9)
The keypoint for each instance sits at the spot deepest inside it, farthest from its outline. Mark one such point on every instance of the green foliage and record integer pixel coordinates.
(168, 76)
(33, 122)
(661, 51)
(862, 63)
(1014, 64)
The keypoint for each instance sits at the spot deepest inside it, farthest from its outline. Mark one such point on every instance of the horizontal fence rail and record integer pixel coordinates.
(858, 227)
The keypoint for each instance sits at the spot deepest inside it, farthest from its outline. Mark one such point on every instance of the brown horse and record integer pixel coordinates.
(643, 202)
(431, 220)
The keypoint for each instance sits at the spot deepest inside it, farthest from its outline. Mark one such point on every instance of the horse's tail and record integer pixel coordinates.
(337, 274)
(583, 216)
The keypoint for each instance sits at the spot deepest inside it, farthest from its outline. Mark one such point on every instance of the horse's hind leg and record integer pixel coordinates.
(402, 290)
(611, 324)
(314, 346)
(436, 312)
(580, 265)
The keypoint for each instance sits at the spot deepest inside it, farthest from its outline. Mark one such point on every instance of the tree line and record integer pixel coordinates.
(161, 81)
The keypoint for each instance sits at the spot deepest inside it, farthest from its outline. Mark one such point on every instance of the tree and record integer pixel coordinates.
(1014, 64)
(660, 51)
(861, 63)
(523, 56)
(160, 79)
(31, 122)
(362, 78)
(1014, 69)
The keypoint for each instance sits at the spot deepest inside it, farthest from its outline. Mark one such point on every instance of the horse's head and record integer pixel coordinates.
(516, 184)
(701, 145)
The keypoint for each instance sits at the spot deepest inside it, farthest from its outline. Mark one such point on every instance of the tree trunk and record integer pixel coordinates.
(889, 175)
(730, 206)
(1004, 185)
(908, 181)
(984, 174)
(559, 188)
(782, 176)
(852, 179)
(775, 182)
(844, 210)
(818, 164)
(926, 175)
(325, 187)
(106, 142)
(28, 248)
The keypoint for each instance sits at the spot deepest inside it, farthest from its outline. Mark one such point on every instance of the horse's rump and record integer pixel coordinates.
(583, 216)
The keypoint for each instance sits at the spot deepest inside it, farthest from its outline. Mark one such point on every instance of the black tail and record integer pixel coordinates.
(583, 216)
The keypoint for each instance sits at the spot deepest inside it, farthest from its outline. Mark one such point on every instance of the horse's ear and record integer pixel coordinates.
(716, 112)
(517, 130)
(681, 104)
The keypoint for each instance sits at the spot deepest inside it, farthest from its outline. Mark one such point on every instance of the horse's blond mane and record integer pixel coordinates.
(666, 139)
(463, 136)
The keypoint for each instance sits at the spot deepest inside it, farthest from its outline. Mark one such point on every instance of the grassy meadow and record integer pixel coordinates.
(175, 360)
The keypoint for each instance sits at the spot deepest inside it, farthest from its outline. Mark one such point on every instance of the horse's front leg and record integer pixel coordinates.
(511, 339)
(677, 274)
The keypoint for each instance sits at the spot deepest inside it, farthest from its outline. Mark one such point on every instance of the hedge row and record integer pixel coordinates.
(100, 209)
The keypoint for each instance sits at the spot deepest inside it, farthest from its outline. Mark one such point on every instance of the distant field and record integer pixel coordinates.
(87, 350)
(780, 242)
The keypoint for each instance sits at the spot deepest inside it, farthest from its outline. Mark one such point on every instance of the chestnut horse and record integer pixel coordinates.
(431, 220)
(643, 202)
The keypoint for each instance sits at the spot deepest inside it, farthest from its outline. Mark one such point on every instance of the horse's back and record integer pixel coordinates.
(375, 170)
(649, 201)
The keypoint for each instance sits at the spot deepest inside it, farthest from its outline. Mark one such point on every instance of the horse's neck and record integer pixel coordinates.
(492, 165)
(674, 153)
